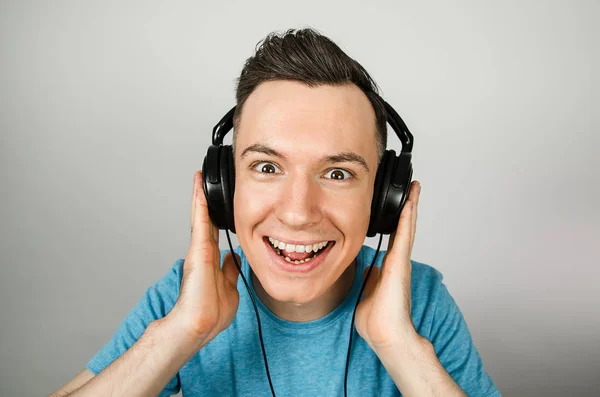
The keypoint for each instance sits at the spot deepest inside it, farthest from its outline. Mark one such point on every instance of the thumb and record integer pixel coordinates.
(372, 281)
(230, 269)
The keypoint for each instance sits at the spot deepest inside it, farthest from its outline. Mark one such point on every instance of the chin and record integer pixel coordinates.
(284, 295)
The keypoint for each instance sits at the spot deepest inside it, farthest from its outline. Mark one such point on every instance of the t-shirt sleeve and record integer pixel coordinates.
(454, 346)
(157, 302)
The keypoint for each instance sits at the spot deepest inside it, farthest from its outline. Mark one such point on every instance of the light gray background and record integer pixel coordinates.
(106, 112)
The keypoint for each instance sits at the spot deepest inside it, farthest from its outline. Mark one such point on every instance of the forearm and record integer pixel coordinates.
(146, 367)
(416, 370)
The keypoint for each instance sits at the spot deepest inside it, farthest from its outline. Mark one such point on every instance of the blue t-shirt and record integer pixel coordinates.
(305, 358)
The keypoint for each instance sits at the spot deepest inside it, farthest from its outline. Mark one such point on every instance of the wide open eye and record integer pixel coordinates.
(338, 174)
(266, 167)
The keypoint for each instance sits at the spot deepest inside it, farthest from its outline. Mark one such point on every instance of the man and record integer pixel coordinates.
(309, 134)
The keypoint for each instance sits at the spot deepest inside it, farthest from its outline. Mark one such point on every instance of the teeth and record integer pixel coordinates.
(279, 246)
(297, 248)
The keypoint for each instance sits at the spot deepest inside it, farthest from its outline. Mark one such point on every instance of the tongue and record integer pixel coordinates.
(297, 256)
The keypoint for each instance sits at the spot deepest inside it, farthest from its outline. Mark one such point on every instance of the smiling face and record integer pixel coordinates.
(305, 162)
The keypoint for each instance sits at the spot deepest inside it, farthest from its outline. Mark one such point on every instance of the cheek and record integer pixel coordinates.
(251, 204)
(351, 213)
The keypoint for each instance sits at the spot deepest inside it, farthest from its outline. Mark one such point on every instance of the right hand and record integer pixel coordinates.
(208, 298)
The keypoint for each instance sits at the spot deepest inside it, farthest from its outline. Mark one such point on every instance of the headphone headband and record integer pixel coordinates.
(223, 127)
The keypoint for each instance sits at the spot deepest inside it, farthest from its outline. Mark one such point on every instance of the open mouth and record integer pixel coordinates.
(297, 254)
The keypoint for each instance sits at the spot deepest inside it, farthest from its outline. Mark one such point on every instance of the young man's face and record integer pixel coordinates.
(301, 181)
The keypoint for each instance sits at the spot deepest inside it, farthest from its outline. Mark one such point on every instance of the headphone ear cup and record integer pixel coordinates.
(228, 185)
(395, 179)
(212, 183)
(378, 191)
(397, 194)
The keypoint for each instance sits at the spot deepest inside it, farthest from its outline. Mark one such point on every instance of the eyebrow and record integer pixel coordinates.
(343, 157)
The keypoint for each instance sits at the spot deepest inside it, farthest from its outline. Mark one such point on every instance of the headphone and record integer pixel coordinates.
(392, 182)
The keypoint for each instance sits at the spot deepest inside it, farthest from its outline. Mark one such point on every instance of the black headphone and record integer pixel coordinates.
(392, 182)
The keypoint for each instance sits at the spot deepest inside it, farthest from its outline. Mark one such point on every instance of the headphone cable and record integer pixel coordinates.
(258, 317)
(255, 311)
(354, 313)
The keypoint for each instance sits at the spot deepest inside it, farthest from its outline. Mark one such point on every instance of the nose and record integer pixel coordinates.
(299, 206)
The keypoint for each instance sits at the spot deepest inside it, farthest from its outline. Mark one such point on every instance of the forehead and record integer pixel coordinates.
(290, 116)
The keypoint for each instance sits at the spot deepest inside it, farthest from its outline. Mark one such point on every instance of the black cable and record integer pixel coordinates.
(255, 310)
(354, 314)
(258, 317)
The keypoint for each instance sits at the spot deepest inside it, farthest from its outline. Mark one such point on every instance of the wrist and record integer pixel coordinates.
(403, 353)
(181, 341)
(416, 369)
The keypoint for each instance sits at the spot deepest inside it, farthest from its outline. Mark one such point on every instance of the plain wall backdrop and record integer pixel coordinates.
(106, 111)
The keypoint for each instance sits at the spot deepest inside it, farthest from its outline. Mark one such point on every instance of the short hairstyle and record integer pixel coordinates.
(306, 56)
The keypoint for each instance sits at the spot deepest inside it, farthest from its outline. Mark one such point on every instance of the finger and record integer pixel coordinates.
(416, 190)
(230, 269)
(199, 185)
(412, 197)
(202, 228)
(403, 231)
(193, 200)
(400, 244)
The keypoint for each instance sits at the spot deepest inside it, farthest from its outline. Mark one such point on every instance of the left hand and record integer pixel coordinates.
(383, 317)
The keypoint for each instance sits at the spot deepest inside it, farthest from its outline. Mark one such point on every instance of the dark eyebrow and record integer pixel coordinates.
(344, 157)
(347, 157)
(264, 149)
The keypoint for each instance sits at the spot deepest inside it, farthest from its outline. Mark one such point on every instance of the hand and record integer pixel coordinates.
(383, 317)
(208, 298)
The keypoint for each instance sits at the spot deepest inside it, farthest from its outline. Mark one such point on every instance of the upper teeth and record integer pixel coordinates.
(297, 248)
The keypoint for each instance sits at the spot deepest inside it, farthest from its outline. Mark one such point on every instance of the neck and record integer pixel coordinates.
(313, 310)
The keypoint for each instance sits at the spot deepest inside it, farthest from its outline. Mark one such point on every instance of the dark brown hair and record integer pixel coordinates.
(306, 56)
